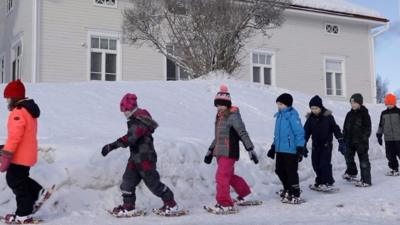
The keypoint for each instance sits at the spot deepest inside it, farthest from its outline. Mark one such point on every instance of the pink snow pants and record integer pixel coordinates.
(225, 177)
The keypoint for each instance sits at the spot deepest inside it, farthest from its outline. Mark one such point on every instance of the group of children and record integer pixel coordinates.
(288, 149)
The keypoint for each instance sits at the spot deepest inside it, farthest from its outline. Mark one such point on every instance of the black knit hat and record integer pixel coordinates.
(285, 99)
(316, 101)
(357, 98)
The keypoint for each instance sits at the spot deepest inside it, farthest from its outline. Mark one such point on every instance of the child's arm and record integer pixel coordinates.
(335, 128)
(307, 131)
(135, 132)
(16, 129)
(240, 128)
(366, 123)
(298, 129)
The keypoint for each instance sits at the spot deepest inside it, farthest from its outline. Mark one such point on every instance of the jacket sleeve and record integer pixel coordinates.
(298, 129)
(135, 132)
(335, 128)
(307, 130)
(381, 124)
(16, 129)
(366, 123)
(240, 128)
(345, 131)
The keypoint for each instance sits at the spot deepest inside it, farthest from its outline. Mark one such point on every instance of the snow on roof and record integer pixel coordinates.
(338, 5)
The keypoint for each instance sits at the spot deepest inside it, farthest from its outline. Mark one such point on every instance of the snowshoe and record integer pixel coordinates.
(13, 219)
(220, 210)
(393, 173)
(126, 211)
(290, 199)
(362, 184)
(242, 202)
(282, 193)
(324, 188)
(170, 211)
(44, 195)
(350, 178)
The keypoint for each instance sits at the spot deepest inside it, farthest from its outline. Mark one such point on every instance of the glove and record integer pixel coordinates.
(300, 153)
(305, 154)
(379, 136)
(253, 156)
(5, 161)
(271, 152)
(342, 146)
(108, 148)
(208, 158)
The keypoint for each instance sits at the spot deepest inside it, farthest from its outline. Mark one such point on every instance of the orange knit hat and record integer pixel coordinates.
(390, 99)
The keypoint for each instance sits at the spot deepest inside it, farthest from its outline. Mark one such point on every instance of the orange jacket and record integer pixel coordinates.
(22, 131)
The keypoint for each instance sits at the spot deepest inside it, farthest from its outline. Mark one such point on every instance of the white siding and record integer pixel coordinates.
(17, 25)
(64, 47)
(300, 47)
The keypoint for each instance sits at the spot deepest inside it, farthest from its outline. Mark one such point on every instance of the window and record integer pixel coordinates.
(106, 3)
(332, 29)
(103, 58)
(17, 62)
(174, 72)
(334, 77)
(2, 69)
(9, 6)
(262, 68)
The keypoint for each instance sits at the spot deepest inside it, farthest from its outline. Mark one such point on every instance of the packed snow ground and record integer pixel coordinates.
(78, 119)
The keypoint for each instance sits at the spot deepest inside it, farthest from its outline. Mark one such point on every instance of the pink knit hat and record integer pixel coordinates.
(223, 97)
(128, 102)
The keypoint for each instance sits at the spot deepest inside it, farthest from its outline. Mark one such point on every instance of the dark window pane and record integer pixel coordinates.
(256, 74)
(111, 63)
(171, 70)
(95, 42)
(95, 62)
(255, 58)
(267, 76)
(111, 77)
(95, 76)
(103, 43)
(329, 88)
(113, 44)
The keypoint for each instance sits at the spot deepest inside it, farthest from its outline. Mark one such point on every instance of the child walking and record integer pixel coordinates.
(356, 132)
(389, 126)
(288, 146)
(321, 125)
(229, 130)
(20, 153)
(142, 161)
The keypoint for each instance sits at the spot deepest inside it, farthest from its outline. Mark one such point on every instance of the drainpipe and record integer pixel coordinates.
(35, 25)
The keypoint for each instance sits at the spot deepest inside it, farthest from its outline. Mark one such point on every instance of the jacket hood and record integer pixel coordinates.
(30, 106)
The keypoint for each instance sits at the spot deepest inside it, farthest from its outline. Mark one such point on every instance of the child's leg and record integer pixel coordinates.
(397, 144)
(292, 165)
(391, 154)
(240, 186)
(280, 170)
(350, 163)
(223, 179)
(18, 180)
(130, 180)
(326, 165)
(315, 158)
(365, 166)
(151, 178)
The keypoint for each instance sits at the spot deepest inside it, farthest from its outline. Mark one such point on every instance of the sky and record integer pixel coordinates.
(387, 45)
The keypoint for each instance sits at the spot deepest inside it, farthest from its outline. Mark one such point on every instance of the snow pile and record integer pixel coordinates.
(338, 5)
(78, 119)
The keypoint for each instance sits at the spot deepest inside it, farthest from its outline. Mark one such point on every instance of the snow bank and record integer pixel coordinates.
(338, 5)
(78, 119)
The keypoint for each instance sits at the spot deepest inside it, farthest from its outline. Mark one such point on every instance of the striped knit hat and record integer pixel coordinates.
(128, 103)
(223, 97)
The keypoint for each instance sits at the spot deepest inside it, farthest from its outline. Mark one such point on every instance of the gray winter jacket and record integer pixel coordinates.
(389, 124)
(229, 130)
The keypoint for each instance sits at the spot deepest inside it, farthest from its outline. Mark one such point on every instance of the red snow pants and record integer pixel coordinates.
(225, 177)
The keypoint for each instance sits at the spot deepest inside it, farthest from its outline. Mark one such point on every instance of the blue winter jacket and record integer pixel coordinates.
(289, 133)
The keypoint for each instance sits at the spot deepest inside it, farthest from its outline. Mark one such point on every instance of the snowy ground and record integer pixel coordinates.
(78, 119)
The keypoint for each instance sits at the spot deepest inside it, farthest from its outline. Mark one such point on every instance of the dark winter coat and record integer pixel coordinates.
(229, 130)
(357, 128)
(139, 137)
(389, 124)
(321, 127)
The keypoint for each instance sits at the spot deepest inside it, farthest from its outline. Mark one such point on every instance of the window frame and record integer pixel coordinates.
(19, 58)
(342, 61)
(9, 10)
(272, 66)
(115, 6)
(118, 52)
(3, 64)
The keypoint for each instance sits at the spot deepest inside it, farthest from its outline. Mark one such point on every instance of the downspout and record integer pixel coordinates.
(35, 24)
(372, 38)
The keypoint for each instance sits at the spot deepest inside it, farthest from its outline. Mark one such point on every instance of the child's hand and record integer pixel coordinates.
(108, 148)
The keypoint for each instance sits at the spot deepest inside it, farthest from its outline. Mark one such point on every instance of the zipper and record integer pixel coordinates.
(289, 142)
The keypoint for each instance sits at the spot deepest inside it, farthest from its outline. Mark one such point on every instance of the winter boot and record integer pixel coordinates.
(124, 210)
(393, 173)
(361, 183)
(349, 177)
(14, 219)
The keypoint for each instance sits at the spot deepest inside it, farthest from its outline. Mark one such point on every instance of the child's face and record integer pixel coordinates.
(355, 105)
(390, 106)
(281, 106)
(221, 108)
(8, 100)
(315, 110)
(127, 114)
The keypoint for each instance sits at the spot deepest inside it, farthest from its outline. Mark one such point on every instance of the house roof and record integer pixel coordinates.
(338, 8)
